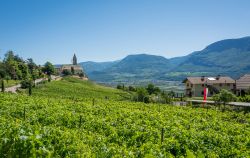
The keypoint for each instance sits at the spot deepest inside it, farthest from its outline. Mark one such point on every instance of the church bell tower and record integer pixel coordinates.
(74, 60)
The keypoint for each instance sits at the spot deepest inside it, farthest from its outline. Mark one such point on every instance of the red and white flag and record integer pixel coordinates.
(205, 93)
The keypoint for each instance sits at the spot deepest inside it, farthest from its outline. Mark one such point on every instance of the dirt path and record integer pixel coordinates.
(13, 89)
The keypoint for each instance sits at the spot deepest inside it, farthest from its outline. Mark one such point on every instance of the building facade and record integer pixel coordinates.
(243, 85)
(194, 86)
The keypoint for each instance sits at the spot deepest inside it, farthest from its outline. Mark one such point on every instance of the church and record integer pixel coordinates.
(73, 69)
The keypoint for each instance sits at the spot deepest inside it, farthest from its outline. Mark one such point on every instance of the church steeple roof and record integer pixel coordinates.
(74, 60)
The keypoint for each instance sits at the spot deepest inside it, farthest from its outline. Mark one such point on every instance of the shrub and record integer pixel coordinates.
(224, 97)
(81, 74)
(142, 95)
(66, 72)
(152, 89)
(246, 98)
(26, 84)
(119, 86)
(131, 88)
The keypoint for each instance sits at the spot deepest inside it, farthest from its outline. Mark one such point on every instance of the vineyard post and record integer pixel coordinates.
(80, 123)
(93, 101)
(24, 113)
(3, 88)
(30, 88)
(162, 135)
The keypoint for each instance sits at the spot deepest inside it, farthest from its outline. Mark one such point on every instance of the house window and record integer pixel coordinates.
(187, 84)
(228, 84)
(220, 84)
(191, 85)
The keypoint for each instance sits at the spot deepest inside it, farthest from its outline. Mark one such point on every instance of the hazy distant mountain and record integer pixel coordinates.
(90, 66)
(140, 63)
(227, 57)
(140, 66)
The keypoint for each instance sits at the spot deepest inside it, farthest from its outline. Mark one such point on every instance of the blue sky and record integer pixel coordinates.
(106, 30)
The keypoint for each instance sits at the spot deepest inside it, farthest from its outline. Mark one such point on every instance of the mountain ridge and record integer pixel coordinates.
(226, 57)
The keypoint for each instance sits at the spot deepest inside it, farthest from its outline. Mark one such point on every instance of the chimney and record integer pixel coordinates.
(202, 78)
(217, 77)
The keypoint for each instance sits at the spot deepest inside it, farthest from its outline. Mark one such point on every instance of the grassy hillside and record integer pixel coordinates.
(73, 88)
(60, 120)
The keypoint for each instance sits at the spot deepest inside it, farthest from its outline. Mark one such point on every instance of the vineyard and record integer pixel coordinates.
(56, 123)
(72, 88)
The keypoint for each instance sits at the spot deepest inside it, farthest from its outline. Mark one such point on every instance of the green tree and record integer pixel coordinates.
(167, 97)
(131, 88)
(11, 66)
(31, 65)
(142, 95)
(224, 97)
(35, 74)
(152, 89)
(23, 68)
(2, 70)
(9, 56)
(33, 69)
(48, 69)
(171, 94)
(119, 86)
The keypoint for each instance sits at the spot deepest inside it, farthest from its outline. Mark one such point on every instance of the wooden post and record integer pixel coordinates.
(162, 135)
(24, 113)
(3, 88)
(93, 101)
(30, 88)
(80, 122)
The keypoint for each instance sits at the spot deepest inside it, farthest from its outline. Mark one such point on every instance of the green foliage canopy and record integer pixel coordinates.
(48, 68)
(224, 97)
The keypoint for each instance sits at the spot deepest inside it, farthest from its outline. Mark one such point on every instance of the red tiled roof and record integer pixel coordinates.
(212, 80)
